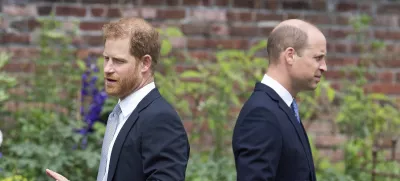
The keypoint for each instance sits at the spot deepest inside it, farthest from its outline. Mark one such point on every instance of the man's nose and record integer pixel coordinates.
(108, 67)
(323, 67)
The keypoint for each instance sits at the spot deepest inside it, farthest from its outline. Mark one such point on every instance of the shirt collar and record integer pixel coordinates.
(131, 101)
(278, 88)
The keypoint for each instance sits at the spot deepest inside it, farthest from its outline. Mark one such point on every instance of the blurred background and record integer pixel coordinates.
(53, 105)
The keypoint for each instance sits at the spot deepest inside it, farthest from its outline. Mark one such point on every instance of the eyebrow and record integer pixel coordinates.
(119, 58)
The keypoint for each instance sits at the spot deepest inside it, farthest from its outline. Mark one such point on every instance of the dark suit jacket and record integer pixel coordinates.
(268, 142)
(152, 144)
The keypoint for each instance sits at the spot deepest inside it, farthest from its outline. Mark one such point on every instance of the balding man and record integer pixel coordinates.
(269, 141)
(145, 138)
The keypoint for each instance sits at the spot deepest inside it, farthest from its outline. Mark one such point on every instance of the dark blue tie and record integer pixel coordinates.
(295, 109)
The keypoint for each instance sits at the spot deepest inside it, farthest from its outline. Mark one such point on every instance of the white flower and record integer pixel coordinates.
(1, 137)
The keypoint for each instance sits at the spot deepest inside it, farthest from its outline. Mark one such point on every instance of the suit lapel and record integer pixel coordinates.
(149, 98)
(298, 128)
(283, 106)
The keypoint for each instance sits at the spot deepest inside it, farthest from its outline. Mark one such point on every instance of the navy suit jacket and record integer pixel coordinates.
(268, 142)
(152, 145)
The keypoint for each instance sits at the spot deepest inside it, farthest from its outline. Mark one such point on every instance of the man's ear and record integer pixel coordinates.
(289, 55)
(145, 64)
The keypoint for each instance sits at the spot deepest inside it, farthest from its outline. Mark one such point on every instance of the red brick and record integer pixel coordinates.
(385, 88)
(244, 30)
(320, 127)
(89, 26)
(15, 38)
(326, 141)
(342, 20)
(334, 74)
(93, 40)
(398, 78)
(355, 48)
(319, 18)
(295, 5)
(341, 48)
(105, 1)
(240, 16)
(153, 2)
(341, 61)
(387, 35)
(25, 25)
(390, 63)
(201, 55)
(189, 126)
(27, 67)
(386, 77)
(197, 28)
(318, 5)
(173, 2)
(271, 4)
(113, 13)
(265, 31)
(70, 11)
(197, 43)
(338, 33)
(244, 3)
(385, 20)
(221, 2)
(346, 6)
(196, 2)
(97, 12)
(268, 17)
(44, 10)
(227, 44)
(171, 14)
(391, 8)
(294, 15)
(23, 52)
(219, 29)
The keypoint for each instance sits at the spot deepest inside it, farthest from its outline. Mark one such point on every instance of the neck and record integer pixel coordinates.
(281, 76)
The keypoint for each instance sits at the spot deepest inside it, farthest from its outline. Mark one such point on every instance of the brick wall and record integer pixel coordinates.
(208, 24)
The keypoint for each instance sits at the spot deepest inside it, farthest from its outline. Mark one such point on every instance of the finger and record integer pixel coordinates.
(55, 175)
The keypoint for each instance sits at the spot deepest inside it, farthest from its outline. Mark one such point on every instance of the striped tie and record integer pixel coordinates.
(295, 109)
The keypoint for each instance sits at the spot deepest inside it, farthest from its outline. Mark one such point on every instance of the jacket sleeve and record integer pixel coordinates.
(165, 148)
(257, 145)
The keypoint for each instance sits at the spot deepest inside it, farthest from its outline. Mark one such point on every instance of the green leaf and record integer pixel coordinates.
(166, 47)
(331, 94)
(191, 74)
(81, 64)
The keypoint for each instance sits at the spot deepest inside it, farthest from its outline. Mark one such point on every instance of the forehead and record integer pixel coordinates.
(316, 42)
(117, 47)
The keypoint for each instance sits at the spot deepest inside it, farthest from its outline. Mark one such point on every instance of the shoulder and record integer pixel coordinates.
(160, 112)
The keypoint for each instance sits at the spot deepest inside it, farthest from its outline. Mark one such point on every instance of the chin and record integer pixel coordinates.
(112, 93)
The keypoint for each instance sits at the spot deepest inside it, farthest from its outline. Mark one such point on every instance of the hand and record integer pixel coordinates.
(55, 175)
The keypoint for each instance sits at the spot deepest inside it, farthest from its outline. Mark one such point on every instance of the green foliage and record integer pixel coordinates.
(216, 88)
(43, 134)
(6, 82)
(364, 117)
(46, 139)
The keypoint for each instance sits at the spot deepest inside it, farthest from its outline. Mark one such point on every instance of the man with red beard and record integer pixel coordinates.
(145, 138)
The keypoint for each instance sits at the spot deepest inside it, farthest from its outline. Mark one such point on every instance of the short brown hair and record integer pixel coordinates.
(144, 38)
(283, 37)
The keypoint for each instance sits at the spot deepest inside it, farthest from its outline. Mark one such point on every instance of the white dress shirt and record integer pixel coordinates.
(278, 88)
(127, 106)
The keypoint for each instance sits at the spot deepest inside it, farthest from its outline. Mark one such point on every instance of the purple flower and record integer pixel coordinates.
(90, 112)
